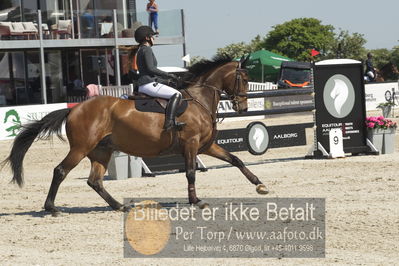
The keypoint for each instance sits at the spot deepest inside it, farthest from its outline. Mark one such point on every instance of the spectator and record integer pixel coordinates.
(152, 9)
(370, 70)
(108, 31)
(88, 24)
(92, 90)
(78, 84)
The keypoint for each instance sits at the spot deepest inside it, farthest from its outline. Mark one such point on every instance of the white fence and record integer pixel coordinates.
(116, 91)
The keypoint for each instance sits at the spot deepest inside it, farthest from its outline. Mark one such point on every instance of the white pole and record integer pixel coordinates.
(124, 14)
(117, 66)
(73, 22)
(42, 62)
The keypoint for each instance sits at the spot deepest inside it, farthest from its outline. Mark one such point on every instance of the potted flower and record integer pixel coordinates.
(386, 108)
(381, 132)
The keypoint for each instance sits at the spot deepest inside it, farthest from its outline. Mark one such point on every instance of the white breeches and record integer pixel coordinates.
(370, 74)
(156, 89)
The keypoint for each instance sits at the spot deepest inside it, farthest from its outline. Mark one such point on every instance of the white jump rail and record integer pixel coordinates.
(256, 86)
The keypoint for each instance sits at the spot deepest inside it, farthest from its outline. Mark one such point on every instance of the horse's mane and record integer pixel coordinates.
(202, 67)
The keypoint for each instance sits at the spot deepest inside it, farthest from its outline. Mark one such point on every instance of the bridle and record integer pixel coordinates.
(233, 97)
(217, 93)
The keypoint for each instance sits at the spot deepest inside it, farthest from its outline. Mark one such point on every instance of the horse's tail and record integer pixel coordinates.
(42, 129)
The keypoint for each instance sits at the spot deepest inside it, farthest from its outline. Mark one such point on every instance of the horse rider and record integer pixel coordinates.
(151, 79)
(370, 70)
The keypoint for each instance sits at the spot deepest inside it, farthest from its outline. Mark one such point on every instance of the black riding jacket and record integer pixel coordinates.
(147, 67)
(369, 66)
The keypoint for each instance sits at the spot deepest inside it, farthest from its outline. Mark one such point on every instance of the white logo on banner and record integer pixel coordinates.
(339, 94)
(11, 118)
(258, 137)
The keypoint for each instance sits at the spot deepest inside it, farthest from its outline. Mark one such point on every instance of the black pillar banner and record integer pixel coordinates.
(340, 103)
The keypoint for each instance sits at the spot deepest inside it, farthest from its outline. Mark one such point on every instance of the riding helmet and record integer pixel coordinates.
(142, 32)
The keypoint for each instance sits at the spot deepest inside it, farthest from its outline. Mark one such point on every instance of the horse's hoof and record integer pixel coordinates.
(124, 208)
(55, 213)
(261, 189)
(202, 204)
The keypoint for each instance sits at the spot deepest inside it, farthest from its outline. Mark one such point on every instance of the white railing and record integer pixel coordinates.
(116, 91)
(76, 99)
(256, 86)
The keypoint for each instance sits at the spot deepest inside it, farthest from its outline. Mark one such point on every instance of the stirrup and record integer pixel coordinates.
(174, 125)
(179, 125)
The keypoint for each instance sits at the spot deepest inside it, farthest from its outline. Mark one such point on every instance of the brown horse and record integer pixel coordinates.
(101, 125)
(386, 72)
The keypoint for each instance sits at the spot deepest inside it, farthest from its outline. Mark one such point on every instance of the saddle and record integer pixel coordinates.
(145, 103)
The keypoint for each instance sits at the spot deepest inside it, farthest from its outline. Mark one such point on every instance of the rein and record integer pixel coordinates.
(217, 92)
(202, 105)
(233, 97)
(213, 117)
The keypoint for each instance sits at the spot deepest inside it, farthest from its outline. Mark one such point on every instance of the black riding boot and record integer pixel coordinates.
(170, 118)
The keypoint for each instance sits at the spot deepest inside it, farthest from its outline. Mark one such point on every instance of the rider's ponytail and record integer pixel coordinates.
(133, 57)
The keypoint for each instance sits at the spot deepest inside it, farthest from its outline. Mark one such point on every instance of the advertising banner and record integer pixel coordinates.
(254, 104)
(256, 138)
(12, 117)
(377, 93)
(288, 101)
(232, 139)
(340, 103)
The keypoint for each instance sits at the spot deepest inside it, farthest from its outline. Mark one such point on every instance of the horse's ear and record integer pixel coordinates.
(244, 59)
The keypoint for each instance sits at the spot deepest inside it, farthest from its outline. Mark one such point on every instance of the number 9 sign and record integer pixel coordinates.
(336, 144)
